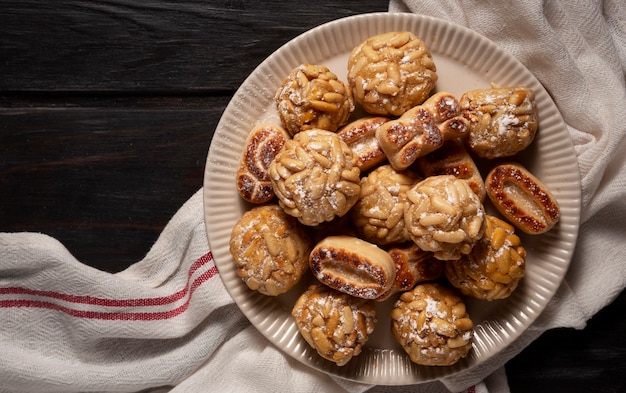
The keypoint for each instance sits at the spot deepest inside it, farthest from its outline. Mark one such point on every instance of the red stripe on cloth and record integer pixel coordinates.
(114, 316)
(471, 389)
(157, 301)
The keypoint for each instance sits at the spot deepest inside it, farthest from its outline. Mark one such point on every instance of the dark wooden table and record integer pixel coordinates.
(107, 110)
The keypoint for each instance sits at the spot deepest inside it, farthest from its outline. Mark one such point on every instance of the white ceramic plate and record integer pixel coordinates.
(465, 60)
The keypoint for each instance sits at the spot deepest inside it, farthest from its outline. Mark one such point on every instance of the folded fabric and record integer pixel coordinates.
(577, 50)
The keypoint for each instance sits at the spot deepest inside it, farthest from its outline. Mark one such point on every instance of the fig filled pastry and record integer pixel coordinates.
(335, 324)
(444, 216)
(271, 249)
(360, 136)
(522, 198)
(313, 97)
(502, 120)
(353, 266)
(413, 266)
(262, 145)
(391, 73)
(378, 215)
(315, 177)
(421, 130)
(494, 267)
(453, 159)
(432, 325)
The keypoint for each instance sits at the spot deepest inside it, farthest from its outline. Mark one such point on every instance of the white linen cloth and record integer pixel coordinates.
(167, 324)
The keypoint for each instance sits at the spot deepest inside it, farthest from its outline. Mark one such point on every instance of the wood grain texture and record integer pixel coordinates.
(107, 110)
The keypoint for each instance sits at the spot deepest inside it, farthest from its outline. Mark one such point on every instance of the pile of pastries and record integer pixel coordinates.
(389, 206)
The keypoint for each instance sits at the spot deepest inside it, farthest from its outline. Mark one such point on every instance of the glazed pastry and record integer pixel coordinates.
(353, 266)
(378, 215)
(502, 120)
(391, 73)
(262, 145)
(335, 324)
(315, 177)
(421, 130)
(444, 216)
(522, 198)
(360, 136)
(453, 159)
(313, 97)
(270, 249)
(413, 266)
(432, 325)
(494, 267)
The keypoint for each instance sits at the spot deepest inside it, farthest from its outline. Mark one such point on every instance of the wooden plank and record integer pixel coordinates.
(102, 180)
(155, 46)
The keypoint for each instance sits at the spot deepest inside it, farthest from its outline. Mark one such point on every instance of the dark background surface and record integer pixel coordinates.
(107, 110)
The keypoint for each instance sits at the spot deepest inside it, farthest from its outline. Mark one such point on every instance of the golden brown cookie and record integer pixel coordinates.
(494, 267)
(432, 325)
(315, 177)
(391, 73)
(444, 216)
(378, 215)
(502, 120)
(270, 248)
(335, 324)
(313, 97)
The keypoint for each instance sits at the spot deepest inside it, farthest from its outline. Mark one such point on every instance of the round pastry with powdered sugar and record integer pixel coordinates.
(335, 324)
(391, 72)
(502, 120)
(270, 248)
(432, 325)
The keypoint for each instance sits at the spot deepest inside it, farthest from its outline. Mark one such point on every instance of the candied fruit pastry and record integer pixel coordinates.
(262, 145)
(453, 159)
(378, 215)
(413, 266)
(444, 216)
(390, 73)
(494, 267)
(421, 130)
(315, 177)
(353, 266)
(335, 324)
(502, 120)
(432, 325)
(271, 249)
(360, 136)
(313, 97)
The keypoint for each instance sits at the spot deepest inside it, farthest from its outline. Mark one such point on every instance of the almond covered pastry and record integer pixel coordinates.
(522, 198)
(312, 96)
(413, 266)
(494, 267)
(262, 145)
(378, 215)
(502, 120)
(421, 130)
(360, 136)
(270, 248)
(391, 73)
(432, 325)
(335, 324)
(453, 159)
(353, 266)
(315, 177)
(444, 216)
